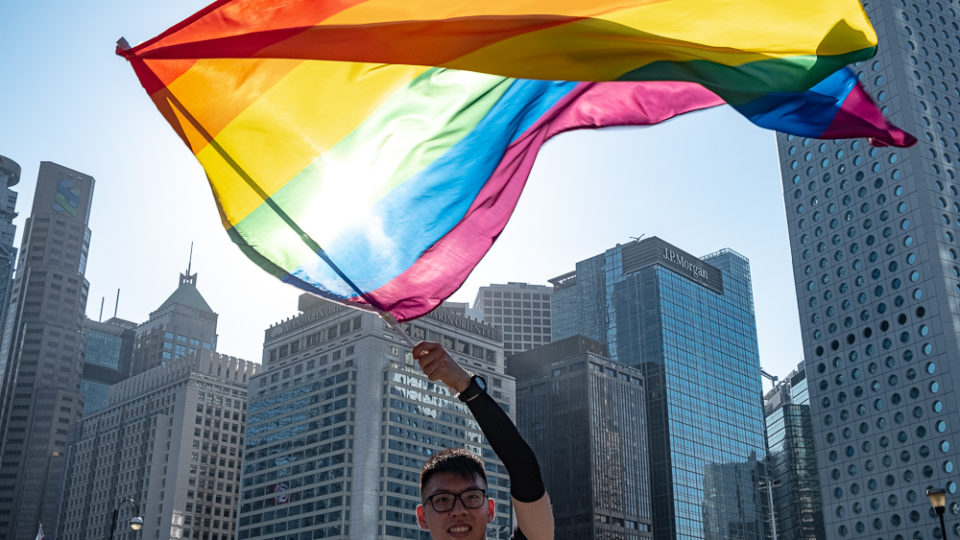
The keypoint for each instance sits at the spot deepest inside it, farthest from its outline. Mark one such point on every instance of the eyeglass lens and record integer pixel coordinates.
(471, 498)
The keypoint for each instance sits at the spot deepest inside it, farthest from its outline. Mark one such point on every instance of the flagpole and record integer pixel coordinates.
(392, 323)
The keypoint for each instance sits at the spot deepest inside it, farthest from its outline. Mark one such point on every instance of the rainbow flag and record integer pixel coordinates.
(371, 151)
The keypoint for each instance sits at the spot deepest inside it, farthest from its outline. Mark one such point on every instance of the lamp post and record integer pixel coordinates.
(938, 500)
(136, 523)
(768, 483)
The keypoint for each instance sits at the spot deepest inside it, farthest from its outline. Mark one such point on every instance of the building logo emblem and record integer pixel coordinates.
(67, 199)
(281, 494)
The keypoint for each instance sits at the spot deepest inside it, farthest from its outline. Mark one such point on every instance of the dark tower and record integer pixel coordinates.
(42, 349)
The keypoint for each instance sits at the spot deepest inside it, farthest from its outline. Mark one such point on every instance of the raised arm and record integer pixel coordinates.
(531, 502)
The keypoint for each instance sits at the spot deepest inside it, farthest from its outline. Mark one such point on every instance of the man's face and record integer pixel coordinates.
(460, 522)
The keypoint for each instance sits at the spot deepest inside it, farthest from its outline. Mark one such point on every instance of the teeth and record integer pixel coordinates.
(459, 529)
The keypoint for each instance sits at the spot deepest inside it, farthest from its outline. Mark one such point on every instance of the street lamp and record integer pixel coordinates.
(938, 500)
(770, 484)
(136, 523)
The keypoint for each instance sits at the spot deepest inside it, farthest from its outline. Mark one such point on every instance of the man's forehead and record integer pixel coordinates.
(453, 482)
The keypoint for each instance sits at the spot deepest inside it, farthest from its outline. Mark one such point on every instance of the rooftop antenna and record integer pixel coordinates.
(116, 305)
(188, 277)
(102, 299)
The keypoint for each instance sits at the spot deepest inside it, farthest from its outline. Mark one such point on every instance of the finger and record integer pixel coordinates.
(425, 364)
(424, 347)
(429, 364)
(432, 372)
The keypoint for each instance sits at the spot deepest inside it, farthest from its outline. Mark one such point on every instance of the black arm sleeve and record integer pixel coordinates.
(526, 484)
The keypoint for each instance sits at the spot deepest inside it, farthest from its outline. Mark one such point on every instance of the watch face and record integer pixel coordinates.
(482, 384)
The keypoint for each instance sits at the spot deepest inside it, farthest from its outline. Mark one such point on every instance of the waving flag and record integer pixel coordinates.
(371, 151)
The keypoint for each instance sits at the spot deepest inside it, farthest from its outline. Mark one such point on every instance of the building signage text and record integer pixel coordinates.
(696, 270)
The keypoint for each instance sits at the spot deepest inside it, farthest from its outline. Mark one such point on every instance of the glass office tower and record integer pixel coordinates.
(793, 484)
(106, 360)
(873, 235)
(687, 323)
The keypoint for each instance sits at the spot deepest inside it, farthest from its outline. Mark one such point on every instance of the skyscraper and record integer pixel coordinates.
(874, 241)
(584, 417)
(687, 324)
(793, 481)
(107, 355)
(43, 349)
(170, 439)
(341, 421)
(9, 177)
(520, 310)
(182, 326)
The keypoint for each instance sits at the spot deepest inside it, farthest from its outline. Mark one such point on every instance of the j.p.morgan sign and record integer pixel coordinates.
(678, 259)
(655, 251)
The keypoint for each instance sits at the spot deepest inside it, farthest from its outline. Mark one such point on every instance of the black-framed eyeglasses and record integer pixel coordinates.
(471, 498)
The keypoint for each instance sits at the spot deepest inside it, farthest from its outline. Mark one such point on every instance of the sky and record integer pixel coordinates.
(705, 181)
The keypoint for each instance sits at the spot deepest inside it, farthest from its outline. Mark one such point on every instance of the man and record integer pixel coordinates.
(453, 484)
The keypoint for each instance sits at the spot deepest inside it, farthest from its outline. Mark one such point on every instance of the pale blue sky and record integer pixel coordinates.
(703, 182)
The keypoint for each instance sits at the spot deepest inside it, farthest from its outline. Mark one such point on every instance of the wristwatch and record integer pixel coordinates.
(476, 387)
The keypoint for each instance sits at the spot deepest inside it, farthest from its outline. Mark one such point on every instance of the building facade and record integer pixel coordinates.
(793, 475)
(341, 421)
(9, 177)
(42, 349)
(688, 325)
(520, 310)
(874, 241)
(181, 327)
(107, 355)
(171, 439)
(584, 417)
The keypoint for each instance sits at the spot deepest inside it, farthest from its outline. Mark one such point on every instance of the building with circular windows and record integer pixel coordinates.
(874, 239)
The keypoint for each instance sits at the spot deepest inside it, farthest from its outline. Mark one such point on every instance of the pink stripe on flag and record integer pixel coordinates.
(443, 268)
(859, 116)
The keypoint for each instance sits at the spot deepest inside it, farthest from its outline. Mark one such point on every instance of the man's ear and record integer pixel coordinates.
(422, 518)
(491, 510)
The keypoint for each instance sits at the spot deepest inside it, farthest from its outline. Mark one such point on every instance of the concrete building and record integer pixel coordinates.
(584, 417)
(182, 326)
(171, 439)
(9, 177)
(687, 324)
(341, 421)
(793, 479)
(520, 310)
(107, 355)
(874, 241)
(42, 349)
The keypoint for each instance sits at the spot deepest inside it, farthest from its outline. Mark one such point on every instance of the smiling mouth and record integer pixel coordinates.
(457, 530)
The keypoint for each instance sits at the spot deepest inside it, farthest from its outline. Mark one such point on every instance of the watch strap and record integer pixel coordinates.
(476, 387)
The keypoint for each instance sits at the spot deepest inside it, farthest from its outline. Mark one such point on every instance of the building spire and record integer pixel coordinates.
(189, 278)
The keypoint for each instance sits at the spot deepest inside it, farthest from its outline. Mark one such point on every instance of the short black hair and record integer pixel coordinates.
(459, 461)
